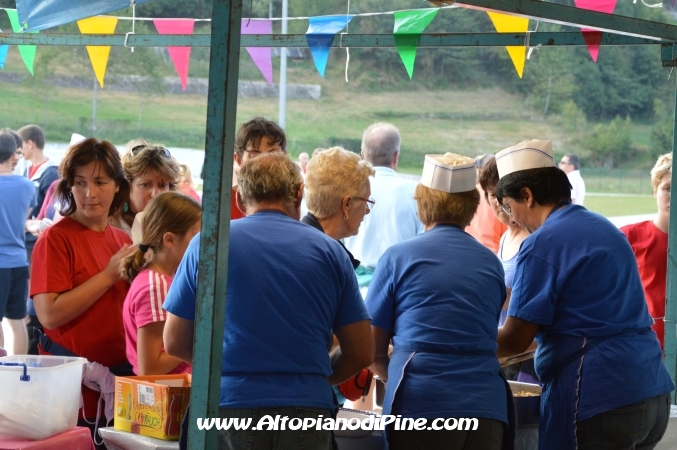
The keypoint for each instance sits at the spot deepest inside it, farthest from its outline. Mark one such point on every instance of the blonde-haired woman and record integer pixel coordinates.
(150, 170)
(170, 222)
(337, 193)
(649, 242)
(186, 186)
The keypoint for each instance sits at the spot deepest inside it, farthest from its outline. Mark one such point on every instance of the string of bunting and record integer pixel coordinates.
(407, 29)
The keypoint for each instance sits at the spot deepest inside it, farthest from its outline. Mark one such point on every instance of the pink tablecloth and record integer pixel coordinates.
(78, 438)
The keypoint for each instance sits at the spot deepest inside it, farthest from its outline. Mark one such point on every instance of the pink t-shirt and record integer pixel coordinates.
(143, 305)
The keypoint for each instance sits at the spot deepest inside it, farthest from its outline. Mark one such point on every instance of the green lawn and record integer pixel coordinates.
(620, 205)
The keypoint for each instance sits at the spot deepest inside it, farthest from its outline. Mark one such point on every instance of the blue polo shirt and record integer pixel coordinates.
(17, 196)
(289, 286)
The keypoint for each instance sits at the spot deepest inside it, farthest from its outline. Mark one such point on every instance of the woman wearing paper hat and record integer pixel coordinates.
(577, 291)
(438, 297)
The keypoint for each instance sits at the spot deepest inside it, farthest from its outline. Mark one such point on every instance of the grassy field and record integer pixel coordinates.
(610, 206)
(469, 122)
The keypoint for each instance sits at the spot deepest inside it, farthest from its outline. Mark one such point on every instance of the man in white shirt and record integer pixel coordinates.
(394, 217)
(571, 165)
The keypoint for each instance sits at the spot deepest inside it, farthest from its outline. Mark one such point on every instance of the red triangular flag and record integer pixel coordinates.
(593, 37)
(180, 55)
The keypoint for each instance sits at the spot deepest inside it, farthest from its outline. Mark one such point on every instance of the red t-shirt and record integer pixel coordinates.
(235, 212)
(33, 169)
(485, 227)
(651, 250)
(66, 255)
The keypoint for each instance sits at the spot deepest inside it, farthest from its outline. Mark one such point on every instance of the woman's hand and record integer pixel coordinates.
(56, 309)
(112, 270)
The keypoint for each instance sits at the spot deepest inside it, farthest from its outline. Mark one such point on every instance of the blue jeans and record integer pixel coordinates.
(637, 426)
(275, 439)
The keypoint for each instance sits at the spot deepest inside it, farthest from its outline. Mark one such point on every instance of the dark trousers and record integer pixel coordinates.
(487, 436)
(637, 426)
(275, 439)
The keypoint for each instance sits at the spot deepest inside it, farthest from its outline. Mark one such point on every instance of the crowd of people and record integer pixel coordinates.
(339, 269)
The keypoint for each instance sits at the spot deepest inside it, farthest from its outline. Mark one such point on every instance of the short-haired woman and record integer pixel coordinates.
(438, 297)
(150, 169)
(577, 291)
(76, 284)
(337, 193)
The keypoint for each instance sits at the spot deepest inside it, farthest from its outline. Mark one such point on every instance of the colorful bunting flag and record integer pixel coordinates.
(262, 56)
(505, 23)
(3, 54)
(594, 38)
(98, 55)
(407, 30)
(180, 55)
(321, 31)
(27, 51)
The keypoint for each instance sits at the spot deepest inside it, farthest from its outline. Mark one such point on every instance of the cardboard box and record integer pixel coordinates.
(153, 406)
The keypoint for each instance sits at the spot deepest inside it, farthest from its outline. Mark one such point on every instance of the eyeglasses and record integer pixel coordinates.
(505, 208)
(19, 154)
(564, 163)
(253, 153)
(160, 150)
(369, 201)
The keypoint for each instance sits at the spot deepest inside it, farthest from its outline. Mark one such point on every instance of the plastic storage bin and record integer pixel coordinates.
(39, 395)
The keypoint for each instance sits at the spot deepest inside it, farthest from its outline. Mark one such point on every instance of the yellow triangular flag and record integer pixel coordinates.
(511, 24)
(98, 55)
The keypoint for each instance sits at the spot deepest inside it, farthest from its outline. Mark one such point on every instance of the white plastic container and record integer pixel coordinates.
(46, 403)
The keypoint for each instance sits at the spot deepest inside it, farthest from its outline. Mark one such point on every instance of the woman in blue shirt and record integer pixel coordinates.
(438, 296)
(577, 291)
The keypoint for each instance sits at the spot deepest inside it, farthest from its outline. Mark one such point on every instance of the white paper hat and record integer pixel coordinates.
(76, 138)
(449, 173)
(532, 154)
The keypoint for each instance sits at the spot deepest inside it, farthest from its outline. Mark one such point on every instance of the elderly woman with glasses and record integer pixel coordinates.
(337, 194)
(577, 291)
(438, 297)
(150, 170)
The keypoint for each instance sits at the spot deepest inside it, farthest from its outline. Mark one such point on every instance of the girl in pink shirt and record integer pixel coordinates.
(170, 222)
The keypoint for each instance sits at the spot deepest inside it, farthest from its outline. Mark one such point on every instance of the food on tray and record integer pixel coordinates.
(526, 394)
(454, 159)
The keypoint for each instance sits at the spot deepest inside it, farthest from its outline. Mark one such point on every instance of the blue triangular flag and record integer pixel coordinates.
(3, 54)
(321, 31)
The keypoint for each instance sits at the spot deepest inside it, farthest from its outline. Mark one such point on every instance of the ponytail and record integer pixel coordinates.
(132, 265)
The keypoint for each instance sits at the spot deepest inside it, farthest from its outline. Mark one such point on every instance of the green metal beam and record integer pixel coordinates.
(670, 339)
(349, 40)
(215, 236)
(575, 17)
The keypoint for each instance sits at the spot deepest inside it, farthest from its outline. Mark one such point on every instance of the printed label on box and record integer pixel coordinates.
(146, 395)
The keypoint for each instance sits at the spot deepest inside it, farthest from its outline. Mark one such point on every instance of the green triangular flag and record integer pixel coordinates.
(27, 51)
(408, 28)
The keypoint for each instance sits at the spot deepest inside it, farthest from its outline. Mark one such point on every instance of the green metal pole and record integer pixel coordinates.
(214, 240)
(670, 345)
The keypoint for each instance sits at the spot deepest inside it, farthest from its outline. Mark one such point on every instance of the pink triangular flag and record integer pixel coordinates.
(180, 55)
(262, 56)
(593, 37)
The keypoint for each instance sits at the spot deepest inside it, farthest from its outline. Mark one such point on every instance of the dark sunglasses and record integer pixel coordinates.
(160, 150)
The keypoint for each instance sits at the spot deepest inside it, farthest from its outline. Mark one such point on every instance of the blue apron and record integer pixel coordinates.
(397, 366)
(559, 364)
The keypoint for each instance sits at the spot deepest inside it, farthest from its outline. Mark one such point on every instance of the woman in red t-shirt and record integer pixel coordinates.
(649, 241)
(77, 287)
